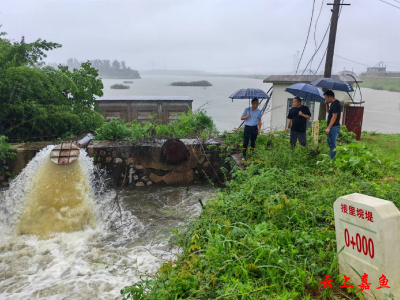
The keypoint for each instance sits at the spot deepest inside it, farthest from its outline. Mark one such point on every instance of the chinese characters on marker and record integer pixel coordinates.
(383, 281)
(357, 212)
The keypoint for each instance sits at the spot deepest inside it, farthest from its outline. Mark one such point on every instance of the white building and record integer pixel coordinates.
(282, 101)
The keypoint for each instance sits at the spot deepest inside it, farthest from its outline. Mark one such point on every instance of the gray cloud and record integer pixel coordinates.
(215, 35)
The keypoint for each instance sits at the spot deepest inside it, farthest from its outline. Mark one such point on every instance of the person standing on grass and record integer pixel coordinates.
(252, 125)
(334, 111)
(298, 116)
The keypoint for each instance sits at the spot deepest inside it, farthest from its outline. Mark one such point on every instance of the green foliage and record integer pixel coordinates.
(192, 83)
(136, 291)
(188, 125)
(344, 135)
(41, 102)
(389, 84)
(5, 149)
(118, 86)
(113, 130)
(270, 233)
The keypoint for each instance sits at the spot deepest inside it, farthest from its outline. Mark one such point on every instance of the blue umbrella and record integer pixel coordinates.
(307, 92)
(333, 84)
(249, 94)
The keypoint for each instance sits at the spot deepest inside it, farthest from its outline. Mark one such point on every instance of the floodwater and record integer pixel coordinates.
(382, 108)
(100, 251)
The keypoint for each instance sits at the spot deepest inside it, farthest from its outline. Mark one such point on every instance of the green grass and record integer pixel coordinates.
(270, 233)
(388, 84)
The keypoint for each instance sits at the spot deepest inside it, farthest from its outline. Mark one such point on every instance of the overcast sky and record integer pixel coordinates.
(255, 36)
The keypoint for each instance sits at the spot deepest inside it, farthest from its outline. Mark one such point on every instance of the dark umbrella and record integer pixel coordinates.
(249, 94)
(333, 84)
(307, 92)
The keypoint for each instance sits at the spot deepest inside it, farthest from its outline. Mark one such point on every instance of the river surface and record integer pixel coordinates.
(382, 108)
(101, 257)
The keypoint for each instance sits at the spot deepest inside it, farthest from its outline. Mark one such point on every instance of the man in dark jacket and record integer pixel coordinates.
(333, 124)
(298, 116)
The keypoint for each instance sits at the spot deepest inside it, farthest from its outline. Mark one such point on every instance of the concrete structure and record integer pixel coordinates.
(368, 231)
(141, 108)
(281, 101)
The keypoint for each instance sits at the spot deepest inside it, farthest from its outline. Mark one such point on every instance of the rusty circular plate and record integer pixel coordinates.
(174, 151)
(64, 154)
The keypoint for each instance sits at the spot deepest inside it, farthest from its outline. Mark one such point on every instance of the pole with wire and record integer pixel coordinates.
(331, 49)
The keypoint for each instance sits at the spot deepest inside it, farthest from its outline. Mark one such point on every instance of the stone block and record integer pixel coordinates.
(149, 183)
(139, 183)
(139, 167)
(4, 183)
(98, 165)
(144, 178)
(8, 173)
(135, 177)
(114, 153)
(102, 153)
(108, 159)
(6, 168)
(368, 231)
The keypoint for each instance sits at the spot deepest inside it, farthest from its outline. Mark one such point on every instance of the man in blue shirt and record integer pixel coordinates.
(252, 121)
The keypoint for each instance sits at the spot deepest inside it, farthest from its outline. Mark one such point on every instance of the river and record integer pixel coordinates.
(100, 258)
(382, 108)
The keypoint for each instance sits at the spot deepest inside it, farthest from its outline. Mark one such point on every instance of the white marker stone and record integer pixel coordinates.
(368, 230)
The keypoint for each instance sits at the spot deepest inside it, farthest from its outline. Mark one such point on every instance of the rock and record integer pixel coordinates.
(103, 153)
(132, 171)
(108, 159)
(6, 167)
(139, 167)
(144, 178)
(4, 183)
(2, 178)
(139, 183)
(118, 160)
(206, 164)
(131, 166)
(99, 159)
(8, 173)
(98, 165)
(135, 177)
(149, 183)
(114, 153)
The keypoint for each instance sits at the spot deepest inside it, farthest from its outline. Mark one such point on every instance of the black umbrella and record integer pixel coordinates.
(333, 84)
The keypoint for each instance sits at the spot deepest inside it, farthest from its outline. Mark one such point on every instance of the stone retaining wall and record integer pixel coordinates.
(142, 164)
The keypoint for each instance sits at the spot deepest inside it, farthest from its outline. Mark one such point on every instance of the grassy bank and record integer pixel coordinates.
(388, 84)
(270, 234)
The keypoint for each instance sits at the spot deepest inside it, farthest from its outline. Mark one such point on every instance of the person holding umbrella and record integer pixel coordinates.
(252, 121)
(298, 116)
(333, 110)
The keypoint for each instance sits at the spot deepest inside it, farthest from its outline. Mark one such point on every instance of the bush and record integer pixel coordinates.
(119, 86)
(113, 130)
(5, 149)
(190, 125)
(192, 83)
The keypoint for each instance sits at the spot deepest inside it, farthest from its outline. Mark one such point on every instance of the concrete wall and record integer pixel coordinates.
(141, 110)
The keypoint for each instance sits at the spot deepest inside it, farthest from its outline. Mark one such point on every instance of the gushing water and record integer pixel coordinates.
(55, 241)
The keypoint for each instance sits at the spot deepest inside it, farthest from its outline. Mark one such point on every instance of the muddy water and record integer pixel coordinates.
(382, 108)
(101, 258)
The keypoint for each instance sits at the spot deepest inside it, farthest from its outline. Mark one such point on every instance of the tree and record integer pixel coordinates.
(123, 64)
(40, 101)
(116, 65)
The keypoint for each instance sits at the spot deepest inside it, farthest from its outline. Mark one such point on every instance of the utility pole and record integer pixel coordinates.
(331, 49)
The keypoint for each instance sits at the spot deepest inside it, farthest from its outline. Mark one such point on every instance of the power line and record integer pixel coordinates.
(352, 60)
(315, 38)
(320, 45)
(308, 34)
(390, 4)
